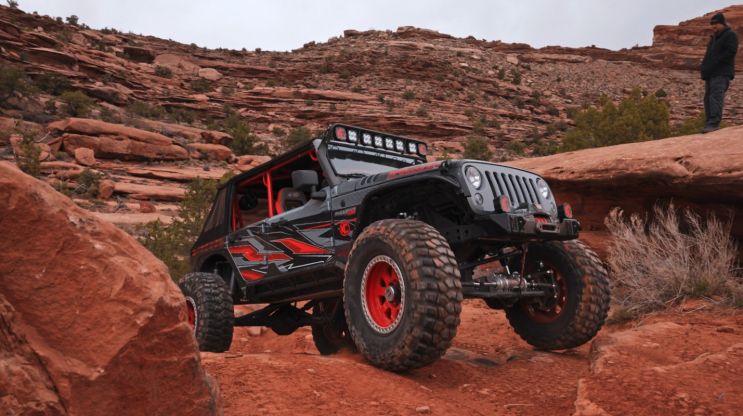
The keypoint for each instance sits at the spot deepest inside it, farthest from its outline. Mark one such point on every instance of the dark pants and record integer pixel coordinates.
(714, 99)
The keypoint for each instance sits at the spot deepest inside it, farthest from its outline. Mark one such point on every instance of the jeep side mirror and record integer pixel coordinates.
(304, 180)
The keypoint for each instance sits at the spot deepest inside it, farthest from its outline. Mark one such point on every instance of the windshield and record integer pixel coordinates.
(361, 161)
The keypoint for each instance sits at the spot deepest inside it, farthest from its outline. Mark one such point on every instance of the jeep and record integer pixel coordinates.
(357, 235)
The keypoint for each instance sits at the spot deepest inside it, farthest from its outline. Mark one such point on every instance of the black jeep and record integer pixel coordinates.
(382, 247)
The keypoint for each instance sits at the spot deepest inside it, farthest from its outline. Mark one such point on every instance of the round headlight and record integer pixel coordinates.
(473, 175)
(478, 199)
(543, 189)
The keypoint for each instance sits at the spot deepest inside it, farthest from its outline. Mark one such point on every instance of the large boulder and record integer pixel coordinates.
(217, 151)
(90, 321)
(702, 172)
(109, 140)
(177, 64)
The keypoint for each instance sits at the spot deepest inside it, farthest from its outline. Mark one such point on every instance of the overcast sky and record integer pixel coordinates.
(283, 25)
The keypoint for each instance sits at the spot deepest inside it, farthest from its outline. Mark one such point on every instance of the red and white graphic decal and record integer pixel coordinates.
(250, 253)
(412, 170)
(251, 274)
(298, 247)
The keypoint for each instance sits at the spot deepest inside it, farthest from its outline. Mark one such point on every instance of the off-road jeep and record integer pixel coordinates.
(382, 247)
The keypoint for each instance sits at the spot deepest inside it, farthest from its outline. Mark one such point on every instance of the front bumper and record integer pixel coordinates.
(524, 227)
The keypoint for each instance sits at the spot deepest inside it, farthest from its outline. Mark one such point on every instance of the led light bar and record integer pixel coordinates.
(412, 148)
(367, 139)
(389, 144)
(399, 145)
(353, 136)
(378, 141)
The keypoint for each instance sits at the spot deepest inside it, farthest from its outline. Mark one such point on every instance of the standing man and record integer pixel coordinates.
(718, 69)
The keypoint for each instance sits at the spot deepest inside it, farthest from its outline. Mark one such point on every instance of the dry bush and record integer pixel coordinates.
(654, 264)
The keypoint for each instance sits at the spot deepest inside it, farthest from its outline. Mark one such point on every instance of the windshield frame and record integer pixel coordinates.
(351, 148)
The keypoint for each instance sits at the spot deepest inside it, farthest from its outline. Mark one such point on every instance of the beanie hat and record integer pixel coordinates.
(718, 18)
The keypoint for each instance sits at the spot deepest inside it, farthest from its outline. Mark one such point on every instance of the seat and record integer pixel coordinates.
(289, 199)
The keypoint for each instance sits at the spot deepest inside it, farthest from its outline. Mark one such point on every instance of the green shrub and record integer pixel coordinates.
(460, 54)
(345, 74)
(421, 112)
(76, 104)
(181, 115)
(545, 149)
(519, 103)
(323, 69)
(309, 103)
(356, 88)
(478, 127)
(515, 77)
(163, 72)
(88, 183)
(271, 83)
(380, 98)
(635, 120)
(468, 112)
(228, 90)
(501, 74)
(201, 85)
(332, 107)
(477, 148)
(142, 109)
(72, 20)
(494, 123)
(107, 79)
(53, 83)
(278, 132)
(661, 93)
(572, 112)
(271, 64)
(244, 142)
(13, 4)
(408, 95)
(258, 50)
(439, 77)
(526, 67)
(444, 156)
(29, 163)
(51, 107)
(12, 82)
(298, 136)
(516, 147)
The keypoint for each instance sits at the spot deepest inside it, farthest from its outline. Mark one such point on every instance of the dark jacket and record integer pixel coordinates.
(720, 57)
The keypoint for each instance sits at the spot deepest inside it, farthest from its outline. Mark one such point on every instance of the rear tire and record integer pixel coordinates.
(583, 299)
(402, 294)
(210, 310)
(331, 339)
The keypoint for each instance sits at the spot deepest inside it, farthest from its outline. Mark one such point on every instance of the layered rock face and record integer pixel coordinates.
(90, 322)
(702, 172)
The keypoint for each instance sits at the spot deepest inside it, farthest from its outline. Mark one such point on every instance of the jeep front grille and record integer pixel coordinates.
(518, 189)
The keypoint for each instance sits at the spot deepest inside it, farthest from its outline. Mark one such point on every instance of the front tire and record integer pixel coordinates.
(403, 294)
(210, 310)
(580, 307)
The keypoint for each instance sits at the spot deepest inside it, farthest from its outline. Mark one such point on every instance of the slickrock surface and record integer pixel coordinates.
(90, 321)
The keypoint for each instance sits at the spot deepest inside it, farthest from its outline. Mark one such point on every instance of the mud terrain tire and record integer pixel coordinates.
(427, 293)
(331, 339)
(585, 299)
(208, 298)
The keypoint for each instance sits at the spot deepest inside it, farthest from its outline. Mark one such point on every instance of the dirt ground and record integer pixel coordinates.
(684, 361)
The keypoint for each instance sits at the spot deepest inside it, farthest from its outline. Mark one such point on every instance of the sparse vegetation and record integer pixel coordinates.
(516, 147)
(13, 82)
(278, 132)
(142, 109)
(73, 20)
(76, 104)
(691, 126)
(421, 112)
(88, 183)
(53, 83)
(228, 90)
(323, 69)
(244, 141)
(654, 263)
(271, 83)
(469, 112)
(181, 115)
(515, 77)
(477, 148)
(28, 159)
(163, 72)
(201, 85)
(661, 93)
(501, 74)
(478, 127)
(408, 95)
(298, 136)
(545, 149)
(345, 74)
(634, 120)
(12, 4)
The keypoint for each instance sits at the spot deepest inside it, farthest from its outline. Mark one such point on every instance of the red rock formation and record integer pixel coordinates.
(90, 321)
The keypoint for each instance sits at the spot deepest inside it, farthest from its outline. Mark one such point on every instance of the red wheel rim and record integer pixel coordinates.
(549, 315)
(191, 310)
(382, 273)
